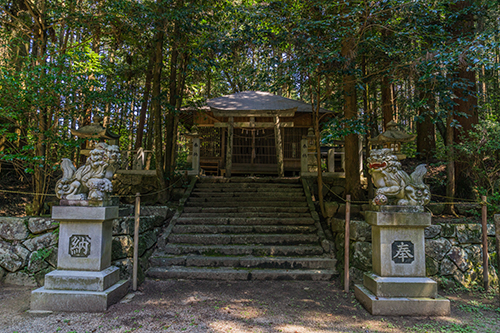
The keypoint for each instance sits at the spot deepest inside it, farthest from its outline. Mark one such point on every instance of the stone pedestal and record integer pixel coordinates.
(84, 279)
(398, 285)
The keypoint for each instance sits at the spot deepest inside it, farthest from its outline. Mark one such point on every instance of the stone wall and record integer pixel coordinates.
(153, 219)
(28, 246)
(453, 251)
(28, 249)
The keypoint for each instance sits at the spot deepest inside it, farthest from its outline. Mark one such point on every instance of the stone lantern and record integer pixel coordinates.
(311, 149)
(392, 138)
(194, 156)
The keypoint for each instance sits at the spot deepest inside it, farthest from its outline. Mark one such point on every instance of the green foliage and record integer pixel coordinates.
(480, 152)
(93, 58)
(337, 129)
(409, 149)
(41, 254)
(37, 101)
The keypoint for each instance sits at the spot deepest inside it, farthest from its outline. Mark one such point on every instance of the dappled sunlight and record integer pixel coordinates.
(249, 313)
(292, 328)
(270, 307)
(288, 307)
(196, 297)
(233, 326)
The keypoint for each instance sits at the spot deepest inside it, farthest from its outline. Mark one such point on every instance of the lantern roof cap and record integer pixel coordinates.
(95, 131)
(393, 134)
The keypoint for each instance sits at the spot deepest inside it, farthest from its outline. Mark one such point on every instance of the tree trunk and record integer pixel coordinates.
(450, 167)
(40, 166)
(40, 169)
(351, 149)
(370, 118)
(387, 100)
(426, 136)
(465, 108)
(145, 101)
(156, 108)
(466, 103)
(170, 119)
(317, 140)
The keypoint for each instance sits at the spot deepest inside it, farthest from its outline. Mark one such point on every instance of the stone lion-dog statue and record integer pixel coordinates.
(91, 181)
(394, 186)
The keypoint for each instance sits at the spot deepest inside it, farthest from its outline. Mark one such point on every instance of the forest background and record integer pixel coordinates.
(433, 66)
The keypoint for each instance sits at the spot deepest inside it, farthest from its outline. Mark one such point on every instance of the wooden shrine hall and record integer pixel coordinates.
(251, 132)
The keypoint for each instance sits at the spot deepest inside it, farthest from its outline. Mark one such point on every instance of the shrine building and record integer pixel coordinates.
(252, 132)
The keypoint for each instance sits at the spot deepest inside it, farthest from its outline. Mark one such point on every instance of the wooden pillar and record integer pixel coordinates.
(279, 146)
(229, 153)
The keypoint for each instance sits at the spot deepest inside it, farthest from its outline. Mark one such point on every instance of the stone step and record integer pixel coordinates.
(215, 189)
(268, 180)
(224, 210)
(246, 195)
(248, 199)
(246, 221)
(235, 229)
(228, 274)
(240, 250)
(247, 185)
(268, 203)
(247, 214)
(163, 260)
(226, 239)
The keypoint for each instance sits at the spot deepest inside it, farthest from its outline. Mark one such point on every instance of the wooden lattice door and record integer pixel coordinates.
(254, 150)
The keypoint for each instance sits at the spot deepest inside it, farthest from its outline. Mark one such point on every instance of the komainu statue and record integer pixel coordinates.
(394, 186)
(91, 181)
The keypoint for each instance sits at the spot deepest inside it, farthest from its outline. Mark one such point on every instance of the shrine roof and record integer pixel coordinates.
(258, 101)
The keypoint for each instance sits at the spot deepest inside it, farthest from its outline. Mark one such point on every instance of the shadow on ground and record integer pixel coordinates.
(245, 306)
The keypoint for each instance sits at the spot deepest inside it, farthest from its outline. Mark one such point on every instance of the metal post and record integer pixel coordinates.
(484, 219)
(346, 242)
(136, 240)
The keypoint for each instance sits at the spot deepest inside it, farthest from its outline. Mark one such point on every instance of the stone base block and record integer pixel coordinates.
(82, 280)
(400, 286)
(77, 300)
(401, 306)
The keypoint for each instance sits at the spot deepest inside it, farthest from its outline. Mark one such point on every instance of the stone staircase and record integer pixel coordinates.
(244, 229)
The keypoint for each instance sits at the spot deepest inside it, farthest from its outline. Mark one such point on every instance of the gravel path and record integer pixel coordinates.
(247, 306)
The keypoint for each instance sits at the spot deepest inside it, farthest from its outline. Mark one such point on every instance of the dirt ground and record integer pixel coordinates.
(247, 306)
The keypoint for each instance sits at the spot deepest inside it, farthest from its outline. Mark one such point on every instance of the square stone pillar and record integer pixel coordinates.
(303, 156)
(279, 147)
(84, 279)
(229, 150)
(312, 162)
(398, 285)
(196, 155)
